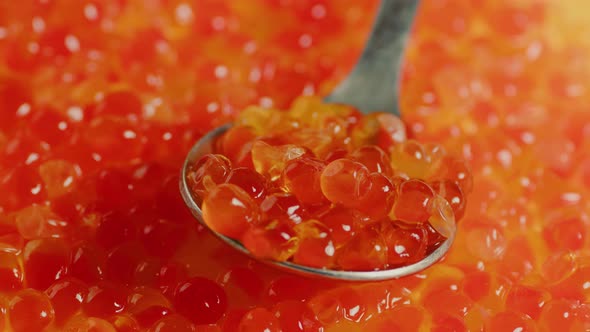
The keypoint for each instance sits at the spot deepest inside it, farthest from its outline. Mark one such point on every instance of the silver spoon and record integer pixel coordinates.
(372, 85)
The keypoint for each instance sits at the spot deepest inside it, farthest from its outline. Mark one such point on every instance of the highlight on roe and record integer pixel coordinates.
(300, 180)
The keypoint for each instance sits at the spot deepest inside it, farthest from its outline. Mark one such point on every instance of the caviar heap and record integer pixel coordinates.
(100, 101)
(322, 185)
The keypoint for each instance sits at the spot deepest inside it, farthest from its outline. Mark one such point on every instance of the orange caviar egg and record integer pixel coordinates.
(283, 206)
(410, 159)
(236, 145)
(405, 245)
(67, 296)
(251, 182)
(411, 205)
(294, 316)
(230, 220)
(44, 262)
(209, 171)
(316, 248)
(379, 199)
(374, 158)
(172, 323)
(11, 274)
(345, 182)
(30, 310)
(343, 223)
(275, 241)
(203, 300)
(271, 160)
(367, 250)
(259, 319)
(452, 193)
(302, 178)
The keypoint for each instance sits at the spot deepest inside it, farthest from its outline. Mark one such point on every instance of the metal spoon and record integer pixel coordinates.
(372, 85)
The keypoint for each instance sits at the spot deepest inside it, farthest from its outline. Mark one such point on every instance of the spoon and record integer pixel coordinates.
(372, 85)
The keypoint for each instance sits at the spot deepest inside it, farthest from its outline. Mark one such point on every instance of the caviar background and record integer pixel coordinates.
(99, 101)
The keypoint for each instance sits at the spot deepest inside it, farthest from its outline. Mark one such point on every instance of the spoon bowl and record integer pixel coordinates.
(205, 146)
(372, 85)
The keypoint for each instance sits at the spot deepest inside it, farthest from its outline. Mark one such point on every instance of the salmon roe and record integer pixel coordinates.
(101, 100)
(322, 159)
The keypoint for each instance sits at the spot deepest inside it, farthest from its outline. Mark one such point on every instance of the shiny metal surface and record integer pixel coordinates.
(373, 84)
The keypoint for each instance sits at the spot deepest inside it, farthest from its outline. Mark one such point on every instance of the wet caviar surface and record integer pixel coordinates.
(101, 100)
(324, 186)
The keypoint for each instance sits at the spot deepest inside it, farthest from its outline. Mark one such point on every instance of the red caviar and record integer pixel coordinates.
(101, 100)
(369, 181)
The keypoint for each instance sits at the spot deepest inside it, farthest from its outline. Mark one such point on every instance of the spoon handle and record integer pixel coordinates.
(373, 84)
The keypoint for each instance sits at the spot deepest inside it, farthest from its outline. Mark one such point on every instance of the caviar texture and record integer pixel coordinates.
(310, 181)
(101, 100)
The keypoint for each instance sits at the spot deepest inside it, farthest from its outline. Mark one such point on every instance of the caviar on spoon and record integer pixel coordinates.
(324, 190)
